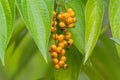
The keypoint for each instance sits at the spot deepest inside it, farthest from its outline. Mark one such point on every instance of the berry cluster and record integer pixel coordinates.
(63, 40)
(67, 19)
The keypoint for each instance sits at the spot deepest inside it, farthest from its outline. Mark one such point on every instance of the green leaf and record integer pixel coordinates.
(105, 59)
(18, 56)
(37, 15)
(84, 1)
(91, 72)
(6, 24)
(20, 60)
(114, 16)
(116, 40)
(94, 16)
(74, 61)
(83, 76)
(78, 33)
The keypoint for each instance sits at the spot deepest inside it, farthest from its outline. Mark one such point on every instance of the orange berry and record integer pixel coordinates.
(55, 61)
(54, 54)
(53, 47)
(61, 44)
(61, 63)
(68, 33)
(54, 14)
(59, 49)
(67, 37)
(63, 58)
(74, 20)
(57, 66)
(62, 24)
(61, 37)
(54, 23)
(65, 42)
(65, 66)
(64, 15)
(72, 14)
(69, 10)
(62, 52)
(53, 29)
(71, 25)
(55, 36)
(60, 16)
(70, 41)
(67, 15)
(69, 20)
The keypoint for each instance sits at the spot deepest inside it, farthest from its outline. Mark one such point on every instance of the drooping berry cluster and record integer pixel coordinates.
(63, 40)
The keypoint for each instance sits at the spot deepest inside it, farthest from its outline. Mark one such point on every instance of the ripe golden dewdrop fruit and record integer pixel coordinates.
(55, 36)
(53, 29)
(69, 20)
(63, 40)
(69, 10)
(61, 37)
(61, 44)
(59, 49)
(70, 41)
(71, 25)
(62, 52)
(67, 15)
(53, 47)
(63, 58)
(54, 23)
(68, 36)
(55, 61)
(57, 66)
(54, 54)
(72, 14)
(54, 14)
(59, 16)
(74, 20)
(61, 63)
(68, 33)
(62, 24)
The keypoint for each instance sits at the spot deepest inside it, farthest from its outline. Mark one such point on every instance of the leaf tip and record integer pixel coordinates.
(85, 59)
(46, 60)
(2, 60)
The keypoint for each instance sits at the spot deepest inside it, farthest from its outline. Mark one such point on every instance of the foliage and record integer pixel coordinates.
(25, 38)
